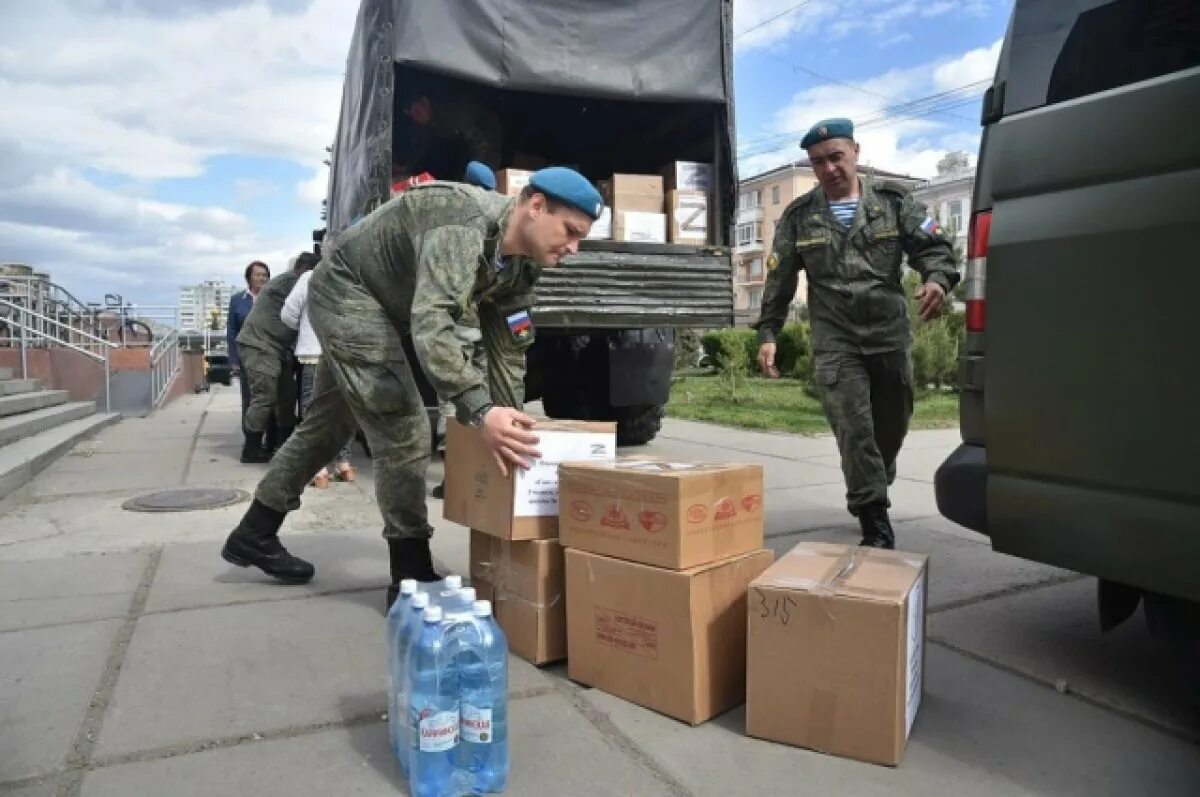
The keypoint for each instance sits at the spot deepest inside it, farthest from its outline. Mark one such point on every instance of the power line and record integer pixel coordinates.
(769, 20)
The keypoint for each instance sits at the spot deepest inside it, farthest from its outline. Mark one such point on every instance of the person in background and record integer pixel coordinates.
(240, 304)
(308, 353)
(265, 349)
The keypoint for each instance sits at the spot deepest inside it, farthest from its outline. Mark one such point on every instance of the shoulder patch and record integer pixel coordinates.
(772, 262)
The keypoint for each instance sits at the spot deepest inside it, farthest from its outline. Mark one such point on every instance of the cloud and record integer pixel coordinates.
(896, 133)
(763, 23)
(105, 98)
(314, 189)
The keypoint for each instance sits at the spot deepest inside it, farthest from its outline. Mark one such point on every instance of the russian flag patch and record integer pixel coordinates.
(930, 226)
(520, 324)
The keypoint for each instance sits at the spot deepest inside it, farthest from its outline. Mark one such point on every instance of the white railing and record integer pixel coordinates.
(32, 326)
(164, 368)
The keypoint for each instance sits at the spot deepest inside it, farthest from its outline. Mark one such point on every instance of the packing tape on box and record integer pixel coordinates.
(496, 575)
(846, 564)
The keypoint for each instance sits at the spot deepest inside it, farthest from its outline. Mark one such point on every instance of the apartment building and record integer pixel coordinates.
(948, 195)
(197, 303)
(761, 202)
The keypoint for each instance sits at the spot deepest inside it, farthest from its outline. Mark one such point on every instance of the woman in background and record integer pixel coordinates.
(257, 274)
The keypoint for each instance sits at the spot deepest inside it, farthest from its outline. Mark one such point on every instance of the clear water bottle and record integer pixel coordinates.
(447, 591)
(395, 618)
(483, 703)
(407, 628)
(433, 709)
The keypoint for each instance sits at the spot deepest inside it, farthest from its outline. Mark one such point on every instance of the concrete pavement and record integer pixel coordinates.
(134, 661)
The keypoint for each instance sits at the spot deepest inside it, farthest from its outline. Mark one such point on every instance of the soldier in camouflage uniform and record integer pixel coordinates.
(265, 349)
(453, 267)
(850, 235)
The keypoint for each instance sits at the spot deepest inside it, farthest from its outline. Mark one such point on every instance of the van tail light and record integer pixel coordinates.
(977, 248)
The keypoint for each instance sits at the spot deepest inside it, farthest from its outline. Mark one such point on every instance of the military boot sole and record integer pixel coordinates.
(242, 555)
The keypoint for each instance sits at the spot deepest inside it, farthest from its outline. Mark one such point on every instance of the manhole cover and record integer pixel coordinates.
(186, 500)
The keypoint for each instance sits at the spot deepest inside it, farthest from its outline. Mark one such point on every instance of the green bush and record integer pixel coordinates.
(733, 366)
(721, 343)
(687, 346)
(793, 343)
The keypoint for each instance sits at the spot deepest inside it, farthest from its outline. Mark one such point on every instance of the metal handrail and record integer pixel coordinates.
(23, 323)
(164, 367)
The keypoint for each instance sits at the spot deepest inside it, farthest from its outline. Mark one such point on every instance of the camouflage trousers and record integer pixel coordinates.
(868, 400)
(369, 383)
(272, 389)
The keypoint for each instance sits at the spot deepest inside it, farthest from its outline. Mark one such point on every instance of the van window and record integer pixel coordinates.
(1072, 48)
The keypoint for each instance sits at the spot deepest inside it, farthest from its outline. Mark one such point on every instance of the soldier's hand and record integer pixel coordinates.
(931, 297)
(507, 432)
(766, 360)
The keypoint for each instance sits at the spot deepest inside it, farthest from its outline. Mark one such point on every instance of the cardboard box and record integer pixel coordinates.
(636, 193)
(649, 228)
(670, 640)
(526, 584)
(602, 228)
(687, 217)
(524, 504)
(688, 176)
(510, 181)
(668, 514)
(836, 650)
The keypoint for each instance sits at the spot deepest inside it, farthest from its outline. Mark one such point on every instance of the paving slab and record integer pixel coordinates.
(960, 570)
(45, 789)
(225, 671)
(554, 751)
(69, 589)
(979, 731)
(47, 677)
(1053, 635)
(722, 438)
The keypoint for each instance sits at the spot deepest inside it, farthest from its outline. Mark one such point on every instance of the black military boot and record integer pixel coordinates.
(876, 527)
(255, 542)
(439, 491)
(409, 558)
(253, 452)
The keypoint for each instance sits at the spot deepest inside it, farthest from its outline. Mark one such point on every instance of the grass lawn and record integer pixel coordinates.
(781, 405)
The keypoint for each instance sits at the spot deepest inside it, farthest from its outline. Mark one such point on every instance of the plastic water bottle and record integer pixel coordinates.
(483, 703)
(433, 710)
(395, 618)
(447, 591)
(406, 630)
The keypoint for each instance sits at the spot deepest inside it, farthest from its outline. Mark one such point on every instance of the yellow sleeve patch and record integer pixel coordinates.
(772, 262)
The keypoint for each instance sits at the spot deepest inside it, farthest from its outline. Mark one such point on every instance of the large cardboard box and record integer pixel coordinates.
(524, 504)
(688, 176)
(602, 228)
(636, 193)
(687, 218)
(836, 650)
(510, 181)
(670, 640)
(668, 514)
(638, 227)
(525, 581)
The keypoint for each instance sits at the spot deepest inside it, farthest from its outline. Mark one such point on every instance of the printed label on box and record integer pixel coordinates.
(915, 663)
(537, 488)
(626, 632)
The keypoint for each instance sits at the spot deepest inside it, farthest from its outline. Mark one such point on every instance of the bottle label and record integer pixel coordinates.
(438, 731)
(476, 724)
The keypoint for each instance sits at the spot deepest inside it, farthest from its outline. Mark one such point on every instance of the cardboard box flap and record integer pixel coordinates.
(846, 571)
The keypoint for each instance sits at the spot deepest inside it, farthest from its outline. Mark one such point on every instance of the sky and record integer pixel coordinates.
(147, 144)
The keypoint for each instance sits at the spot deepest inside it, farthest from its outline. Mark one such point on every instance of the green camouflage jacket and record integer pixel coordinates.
(263, 328)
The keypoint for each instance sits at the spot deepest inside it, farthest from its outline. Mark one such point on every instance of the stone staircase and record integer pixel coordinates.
(38, 426)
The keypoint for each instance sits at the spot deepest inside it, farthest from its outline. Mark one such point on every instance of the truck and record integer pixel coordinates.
(1080, 391)
(594, 86)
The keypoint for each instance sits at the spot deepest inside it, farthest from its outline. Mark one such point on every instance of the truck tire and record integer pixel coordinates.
(637, 426)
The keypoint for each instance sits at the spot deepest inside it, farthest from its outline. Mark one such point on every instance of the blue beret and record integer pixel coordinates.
(479, 174)
(569, 187)
(827, 129)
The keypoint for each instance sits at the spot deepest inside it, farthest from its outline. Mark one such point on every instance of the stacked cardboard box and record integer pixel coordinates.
(516, 560)
(835, 655)
(659, 557)
(637, 207)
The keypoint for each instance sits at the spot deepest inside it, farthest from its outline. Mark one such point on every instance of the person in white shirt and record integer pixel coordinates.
(308, 353)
